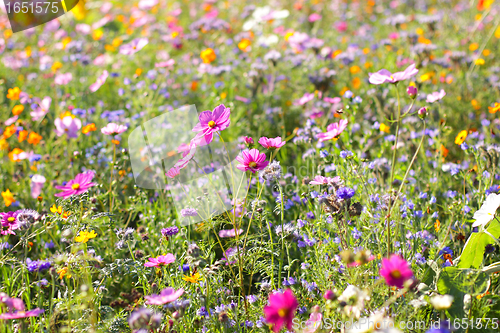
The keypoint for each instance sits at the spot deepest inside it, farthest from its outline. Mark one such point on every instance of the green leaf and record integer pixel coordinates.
(473, 253)
(460, 281)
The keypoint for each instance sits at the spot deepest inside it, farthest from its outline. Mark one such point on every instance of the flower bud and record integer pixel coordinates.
(412, 91)
(422, 113)
(330, 295)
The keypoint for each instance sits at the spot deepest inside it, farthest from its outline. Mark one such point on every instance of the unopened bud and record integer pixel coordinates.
(422, 113)
(412, 91)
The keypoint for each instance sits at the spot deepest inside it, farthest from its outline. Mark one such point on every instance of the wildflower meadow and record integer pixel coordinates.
(262, 166)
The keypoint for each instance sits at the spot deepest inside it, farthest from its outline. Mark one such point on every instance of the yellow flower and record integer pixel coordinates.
(8, 198)
(55, 209)
(208, 55)
(355, 69)
(473, 46)
(14, 154)
(461, 137)
(66, 114)
(13, 94)
(16, 111)
(384, 128)
(479, 61)
(437, 225)
(57, 65)
(244, 44)
(494, 109)
(85, 236)
(89, 128)
(63, 272)
(194, 278)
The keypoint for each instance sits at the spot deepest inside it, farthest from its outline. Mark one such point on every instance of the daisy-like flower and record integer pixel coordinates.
(193, 278)
(252, 160)
(435, 96)
(160, 260)
(460, 138)
(494, 109)
(212, 121)
(68, 125)
(112, 129)
(134, 46)
(441, 302)
(79, 185)
(333, 131)
(281, 310)
(85, 236)
(355, 299)
(383, 75)
(487, 211)
(395, 271)
(167, 295)
(320, 180)
(271, 143)
(9, 223)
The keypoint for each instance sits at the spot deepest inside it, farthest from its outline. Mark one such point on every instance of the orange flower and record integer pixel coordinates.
(16, 110)
(494, 109)
(57, 65)
(194, 85)
(244, 44)
(208, 55)
(13, 94)
(9, 131)
(356, 83)
(14, 154)
(34, 138)
(443, 150)
(89, 128)
(8, 198)
(437, 225)
(22, 135)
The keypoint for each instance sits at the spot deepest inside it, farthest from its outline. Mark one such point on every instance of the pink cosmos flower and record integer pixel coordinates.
(16, 306)
(99, 82)
(229, 233)
(42, 109)
(281, 310)
(341, 26)
(168, 63)
(320, 180)
(435, 96)
(63, 79)
(68, 125)
(113, 128)
(79, 185)
(37, 182)
(134, 46)
(314, 322)
(271, 143)
(314, 17)
(333, 131)
(395, 271)
(212, 121)
(248, 140)
(252, 160)
(334, 100)
(167, 295)
(22, 314)
(304, 99)
(173, 172)
(160, 260)
(383, 75)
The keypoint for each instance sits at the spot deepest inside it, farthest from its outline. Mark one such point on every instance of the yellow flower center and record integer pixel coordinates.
(252, 164)
(11, 219)
(282, 312)
(75, 186)
(211, 123)
(396, 274)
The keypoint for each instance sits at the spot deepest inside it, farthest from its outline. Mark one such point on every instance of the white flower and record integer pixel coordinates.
(441, 302)
(355, 300)
(377, 322)
(418, 302)
(487, 211)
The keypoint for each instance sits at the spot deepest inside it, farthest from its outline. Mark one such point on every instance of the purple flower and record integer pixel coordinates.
(68, 125)
(170, 231)
(383, 75)
(345, 193)
(189, 212)
(435, 96)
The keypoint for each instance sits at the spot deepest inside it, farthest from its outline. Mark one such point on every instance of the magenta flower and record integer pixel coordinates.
(68, 125)
(281, 310)
(167, 295)
(134, 46)
(333, 131)
(383, 75)
(160, 260)
(16, 306)
(173, 172)
(229, 233)
(113, 128)
(252, 160)
(304, 99)
(248, 140)
(271, 143)
(9, 223)
(99, 82)
(212, 121)
(79, 185)
(435, 96)
(22, 314)
(320, 180)
(395, 271)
